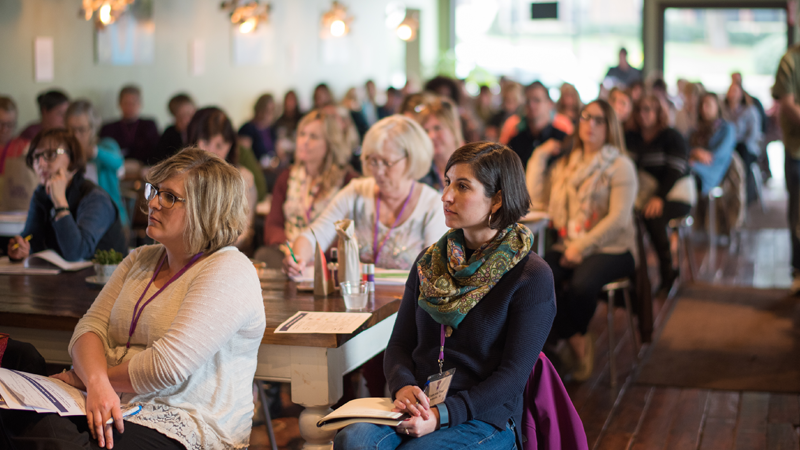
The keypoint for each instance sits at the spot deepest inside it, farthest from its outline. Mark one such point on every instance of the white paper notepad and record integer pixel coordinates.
(323, 322)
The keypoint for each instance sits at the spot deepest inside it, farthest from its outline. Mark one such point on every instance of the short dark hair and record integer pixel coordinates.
(130, 89)
(498, 169)
(209, 122)
(539, 85)
(262, 102)
(438, 83)
(77, 160)
(177, 101)
(51, 99)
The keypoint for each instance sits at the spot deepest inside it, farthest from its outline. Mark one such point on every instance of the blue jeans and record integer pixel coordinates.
(467, 435)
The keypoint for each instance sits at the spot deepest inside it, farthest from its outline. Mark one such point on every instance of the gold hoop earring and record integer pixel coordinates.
(490, 220)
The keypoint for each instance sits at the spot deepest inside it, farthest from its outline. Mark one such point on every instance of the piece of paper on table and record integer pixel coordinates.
(54, 258)
(28, 391)
(383, 277)
(323, 322)
(9, 267)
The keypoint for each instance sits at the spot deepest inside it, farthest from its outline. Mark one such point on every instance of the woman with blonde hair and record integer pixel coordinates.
(321, 168)
(439, 117)
(395, 216)
(589, 195)
(145, 340)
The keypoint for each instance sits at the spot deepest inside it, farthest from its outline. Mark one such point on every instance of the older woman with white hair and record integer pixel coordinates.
(395, 216)
(103, 156)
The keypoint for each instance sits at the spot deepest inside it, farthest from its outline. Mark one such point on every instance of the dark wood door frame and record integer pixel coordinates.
(662, 8)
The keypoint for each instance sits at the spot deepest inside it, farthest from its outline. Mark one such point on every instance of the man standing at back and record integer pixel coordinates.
(786, 92)
(623, 73)
(136, 137)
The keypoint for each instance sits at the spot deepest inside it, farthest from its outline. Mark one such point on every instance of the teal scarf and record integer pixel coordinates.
(451, 285)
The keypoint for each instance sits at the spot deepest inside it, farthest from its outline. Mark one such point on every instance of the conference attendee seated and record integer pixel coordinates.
(623, 107)
(477, 301)
(511, 99)
(439, 118)
(68, 213)
(712, 144)
(103, 157)
(189, 355)
(260, 131)
(523, 133)
(740, 110)
(286, 125)
(666, 190)
(589, 194)
(395, 216)
(52, 107)
(394, 99)
(175, 137)
(17, 180)
(211, 130)
(321, 168)
(137, 137)
(569, 102)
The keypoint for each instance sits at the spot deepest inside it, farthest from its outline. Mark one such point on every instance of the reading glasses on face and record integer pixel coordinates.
(48, 155)
(165, 199)
(377, 163)
(597, 120)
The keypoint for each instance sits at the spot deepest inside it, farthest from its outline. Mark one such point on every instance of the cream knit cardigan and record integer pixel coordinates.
(193, 354)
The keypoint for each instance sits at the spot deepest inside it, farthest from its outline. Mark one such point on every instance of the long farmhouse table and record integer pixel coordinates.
(44, 309)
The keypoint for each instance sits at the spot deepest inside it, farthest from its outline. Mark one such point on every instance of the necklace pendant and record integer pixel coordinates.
(448, 331)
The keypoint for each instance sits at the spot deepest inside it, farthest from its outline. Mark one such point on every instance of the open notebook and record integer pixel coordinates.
(368, 410)
(35, 265)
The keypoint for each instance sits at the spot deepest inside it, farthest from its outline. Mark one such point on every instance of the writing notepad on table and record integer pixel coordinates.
(383, 277)
(367, 410)
(56, 259)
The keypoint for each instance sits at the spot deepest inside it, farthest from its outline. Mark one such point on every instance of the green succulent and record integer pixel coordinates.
(107, 257)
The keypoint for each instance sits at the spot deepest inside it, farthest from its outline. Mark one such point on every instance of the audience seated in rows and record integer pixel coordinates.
(137, 137)
(666, 189)
(104, 159)
(68, 213)
(395, 216)
(589, 194)
(302, 192)
(712, 143)
(175, 137)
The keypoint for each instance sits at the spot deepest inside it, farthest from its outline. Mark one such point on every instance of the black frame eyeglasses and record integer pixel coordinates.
(597, 120)
(48, 155)
(165, 199)
(377, 163)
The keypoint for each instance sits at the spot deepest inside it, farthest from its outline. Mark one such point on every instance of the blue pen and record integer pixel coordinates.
(131, 412)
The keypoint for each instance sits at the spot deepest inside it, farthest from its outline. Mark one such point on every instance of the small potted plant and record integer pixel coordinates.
(105, 262)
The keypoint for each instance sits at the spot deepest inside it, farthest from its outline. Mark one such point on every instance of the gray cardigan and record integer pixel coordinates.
(614, 233)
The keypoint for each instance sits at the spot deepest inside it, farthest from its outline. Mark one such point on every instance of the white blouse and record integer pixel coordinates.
(193, 353)
(356, 201)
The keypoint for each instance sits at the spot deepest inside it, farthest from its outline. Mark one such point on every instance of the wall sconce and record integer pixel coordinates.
(408, 28)
(335, 21)
(108, 11)
(248, 15)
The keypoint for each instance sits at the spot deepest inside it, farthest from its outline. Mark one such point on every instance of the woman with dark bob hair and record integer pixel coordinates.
(68, 213)
(483, 297)
(176, 329)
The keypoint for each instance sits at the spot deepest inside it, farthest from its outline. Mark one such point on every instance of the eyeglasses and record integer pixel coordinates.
(48, 155)
(377, 163)
(597, 120)
(165, 199)
(10, 124)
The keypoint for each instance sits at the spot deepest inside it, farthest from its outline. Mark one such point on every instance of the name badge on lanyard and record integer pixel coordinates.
(437, 386)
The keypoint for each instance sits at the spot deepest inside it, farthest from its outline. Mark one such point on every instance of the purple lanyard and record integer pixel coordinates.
(376, 249)
(441, 351)
(137, 312)
(311, 206)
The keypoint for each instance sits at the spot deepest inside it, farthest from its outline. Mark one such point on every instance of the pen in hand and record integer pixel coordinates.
(291, 252)
(27, 238)
(130, 412)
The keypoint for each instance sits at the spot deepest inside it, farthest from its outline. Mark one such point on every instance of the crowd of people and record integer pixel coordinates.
(435, 182)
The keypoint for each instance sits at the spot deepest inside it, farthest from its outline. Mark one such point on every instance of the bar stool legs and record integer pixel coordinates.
(267, 417)
(624, 285)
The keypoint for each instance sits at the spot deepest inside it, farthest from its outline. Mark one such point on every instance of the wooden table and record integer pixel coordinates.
(44, 310)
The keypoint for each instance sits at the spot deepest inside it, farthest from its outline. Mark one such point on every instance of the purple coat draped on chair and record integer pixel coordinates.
(549, 420)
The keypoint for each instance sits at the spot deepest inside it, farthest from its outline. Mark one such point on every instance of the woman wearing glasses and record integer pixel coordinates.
(395, 216)
(176, 330)
(68, 213)
(321, 168)
(589, 195)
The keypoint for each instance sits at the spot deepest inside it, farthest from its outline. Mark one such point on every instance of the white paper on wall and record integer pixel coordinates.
(197, 57)
(44, 65)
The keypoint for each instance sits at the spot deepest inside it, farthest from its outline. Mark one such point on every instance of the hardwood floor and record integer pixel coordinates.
(639, 417)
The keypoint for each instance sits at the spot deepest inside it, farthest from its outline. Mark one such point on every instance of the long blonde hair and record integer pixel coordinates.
(216, 206)
(338, 153)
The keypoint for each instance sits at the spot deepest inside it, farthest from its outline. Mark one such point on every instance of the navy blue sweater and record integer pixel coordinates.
(493, 349)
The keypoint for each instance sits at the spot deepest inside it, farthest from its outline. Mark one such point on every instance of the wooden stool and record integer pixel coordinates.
(624, 285)
(267, 416)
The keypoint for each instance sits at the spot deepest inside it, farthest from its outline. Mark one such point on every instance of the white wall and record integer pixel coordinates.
(374, 53)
